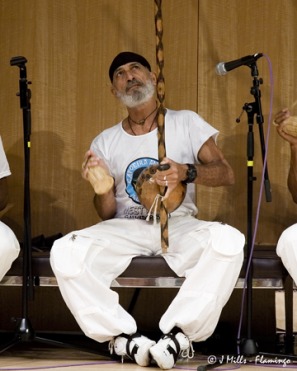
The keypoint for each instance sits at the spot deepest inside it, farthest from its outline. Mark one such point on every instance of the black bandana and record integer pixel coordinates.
(127, 57)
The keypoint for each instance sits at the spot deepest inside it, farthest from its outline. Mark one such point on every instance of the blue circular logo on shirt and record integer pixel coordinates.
(132, 173)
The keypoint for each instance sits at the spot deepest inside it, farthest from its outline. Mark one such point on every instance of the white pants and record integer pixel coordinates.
(208, 254)
(9, 248)
(287, 250)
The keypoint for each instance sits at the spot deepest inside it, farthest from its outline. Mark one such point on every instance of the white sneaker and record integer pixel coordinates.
(136, 347)
(169, 348)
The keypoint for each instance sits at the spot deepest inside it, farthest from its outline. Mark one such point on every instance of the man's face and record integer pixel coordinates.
(133, 84)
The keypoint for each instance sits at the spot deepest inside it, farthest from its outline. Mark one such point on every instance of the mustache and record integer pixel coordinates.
(133, 82)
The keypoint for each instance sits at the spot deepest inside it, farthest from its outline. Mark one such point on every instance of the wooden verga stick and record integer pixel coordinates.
(161, 116)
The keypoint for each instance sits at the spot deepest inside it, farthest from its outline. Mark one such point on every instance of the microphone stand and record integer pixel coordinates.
(24, 331)
(248, 345)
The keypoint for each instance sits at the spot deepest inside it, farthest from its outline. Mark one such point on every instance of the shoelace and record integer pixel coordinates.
(189, 352)
(111, 345)
(111, 348)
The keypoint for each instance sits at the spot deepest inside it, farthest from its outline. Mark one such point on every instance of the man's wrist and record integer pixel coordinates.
(191, 174)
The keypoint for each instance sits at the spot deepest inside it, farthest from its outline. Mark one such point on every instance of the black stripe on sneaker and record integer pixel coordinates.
(131, 354)
(176, 352)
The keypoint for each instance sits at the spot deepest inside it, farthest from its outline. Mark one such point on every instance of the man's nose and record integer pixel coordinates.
(129, 76)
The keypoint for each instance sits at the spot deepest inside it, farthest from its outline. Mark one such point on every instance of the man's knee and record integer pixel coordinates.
(229, 241)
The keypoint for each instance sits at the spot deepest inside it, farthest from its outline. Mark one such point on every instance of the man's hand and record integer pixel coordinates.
(171, 177)
(286, 126)
(95, 171)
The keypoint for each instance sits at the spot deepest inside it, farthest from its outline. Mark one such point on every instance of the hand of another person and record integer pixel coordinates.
(286, 125)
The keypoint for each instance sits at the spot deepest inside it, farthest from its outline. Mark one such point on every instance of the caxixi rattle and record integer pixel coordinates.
(101, 181)
(290, 126)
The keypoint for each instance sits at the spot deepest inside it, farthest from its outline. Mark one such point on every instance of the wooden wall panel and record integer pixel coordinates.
(105, 28)
(69, 45)
(180, 23)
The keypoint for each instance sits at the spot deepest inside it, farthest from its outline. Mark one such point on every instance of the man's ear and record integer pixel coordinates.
(113, 91)
(154, 77)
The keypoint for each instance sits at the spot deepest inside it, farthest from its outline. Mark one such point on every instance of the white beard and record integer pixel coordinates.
(139, 96)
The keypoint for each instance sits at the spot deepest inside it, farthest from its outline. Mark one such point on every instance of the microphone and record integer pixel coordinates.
(223, 67)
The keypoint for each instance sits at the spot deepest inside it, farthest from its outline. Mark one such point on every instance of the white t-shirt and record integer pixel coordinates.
(4, 166)
(127, 155)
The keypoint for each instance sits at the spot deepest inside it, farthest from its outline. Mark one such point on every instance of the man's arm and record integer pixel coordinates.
(292, 176)
(213, 169)
(95, 171)
(279, 120)
(3, 193)
(105, 205)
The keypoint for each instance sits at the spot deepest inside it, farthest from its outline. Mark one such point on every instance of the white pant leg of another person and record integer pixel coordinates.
(286, 249)
(86, 262)
(210, 256)
(9, 248)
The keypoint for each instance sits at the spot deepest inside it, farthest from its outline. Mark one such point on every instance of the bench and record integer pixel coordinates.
(153, 272)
